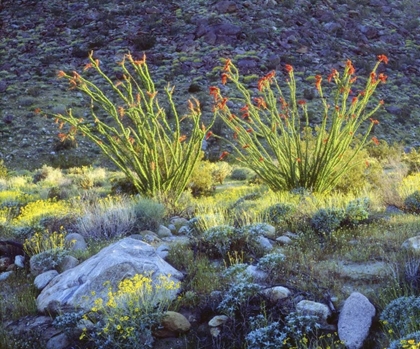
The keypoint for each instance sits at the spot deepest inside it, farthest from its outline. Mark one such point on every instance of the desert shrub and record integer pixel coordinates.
(410, 341)
(40, 242)
(107, 218)
(384, 151)
(149, 213)
(3, 170)
(48, 259)
(357, 211)
(129, 314)
(293, 153)
(269, 336)
(271, 262)
(412, 160)
(48, 174)
(241, 174)
(237, 298)
(412, 202)
(279, 213)
(400, 316)
(131, 128)
(219, 239)
(412, 271)
(201, 181)
(327, 220)
(365, 172)
(220, 171)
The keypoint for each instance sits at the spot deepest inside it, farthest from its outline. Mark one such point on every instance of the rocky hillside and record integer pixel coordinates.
(184, 41)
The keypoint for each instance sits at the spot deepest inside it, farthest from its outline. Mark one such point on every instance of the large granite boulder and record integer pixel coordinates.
(355, 320)
(75, 287)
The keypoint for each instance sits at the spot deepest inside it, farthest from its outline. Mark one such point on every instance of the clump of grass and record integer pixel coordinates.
(106, 218)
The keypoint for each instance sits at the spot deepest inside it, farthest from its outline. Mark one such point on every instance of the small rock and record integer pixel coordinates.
(355, 320)
(163, 232)
(257, 275)
(68, 262)
(218, 320)
(264, 243)
(173, 324)
(276, 293)
(320, 310)
(162, 251)
(20, 261)
(43, 279)
(183, 230)
(5, 275)
(412, 244)
(59, 341)
(75, 242)
(284, 240)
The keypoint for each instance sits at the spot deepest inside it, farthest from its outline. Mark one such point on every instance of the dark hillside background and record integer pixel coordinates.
(184, 41)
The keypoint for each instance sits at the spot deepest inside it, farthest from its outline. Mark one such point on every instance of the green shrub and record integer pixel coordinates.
(154, 155)
(412, 202)
(412, 160)
(400, 316)
(3, 169)
(279, 213)
(286, 152)
(149, 214)
(202, 180)
(327, 220)
(241, 174)
(219, 239)
(220, 171)
(357, 211)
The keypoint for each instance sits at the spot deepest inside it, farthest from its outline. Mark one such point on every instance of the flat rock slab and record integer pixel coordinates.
(363, 271)
(80, 286)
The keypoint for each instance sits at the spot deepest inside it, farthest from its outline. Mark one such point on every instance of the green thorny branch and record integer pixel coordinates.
(284, 151)
(154, 155)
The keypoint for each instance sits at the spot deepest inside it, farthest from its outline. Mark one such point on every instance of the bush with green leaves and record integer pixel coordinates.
(149, 213)
(357, 211)
(202, 180)
(270, 137)
(220, 171)
(271, 262)
(241, 174)
(237, 298)
(270, 336)
(327, 220)
(131, 128)
(219, 239)
(280, 213)
(412, 202)
(48, 260)
(400, 316)
(412, 160)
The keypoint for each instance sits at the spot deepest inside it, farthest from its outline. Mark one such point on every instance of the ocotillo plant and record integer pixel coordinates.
(154, 154)
(273, 136)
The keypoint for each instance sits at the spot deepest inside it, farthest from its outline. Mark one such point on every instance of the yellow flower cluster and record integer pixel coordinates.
(124, 307)
(410, 344)
(40, 242)
(34, 211)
